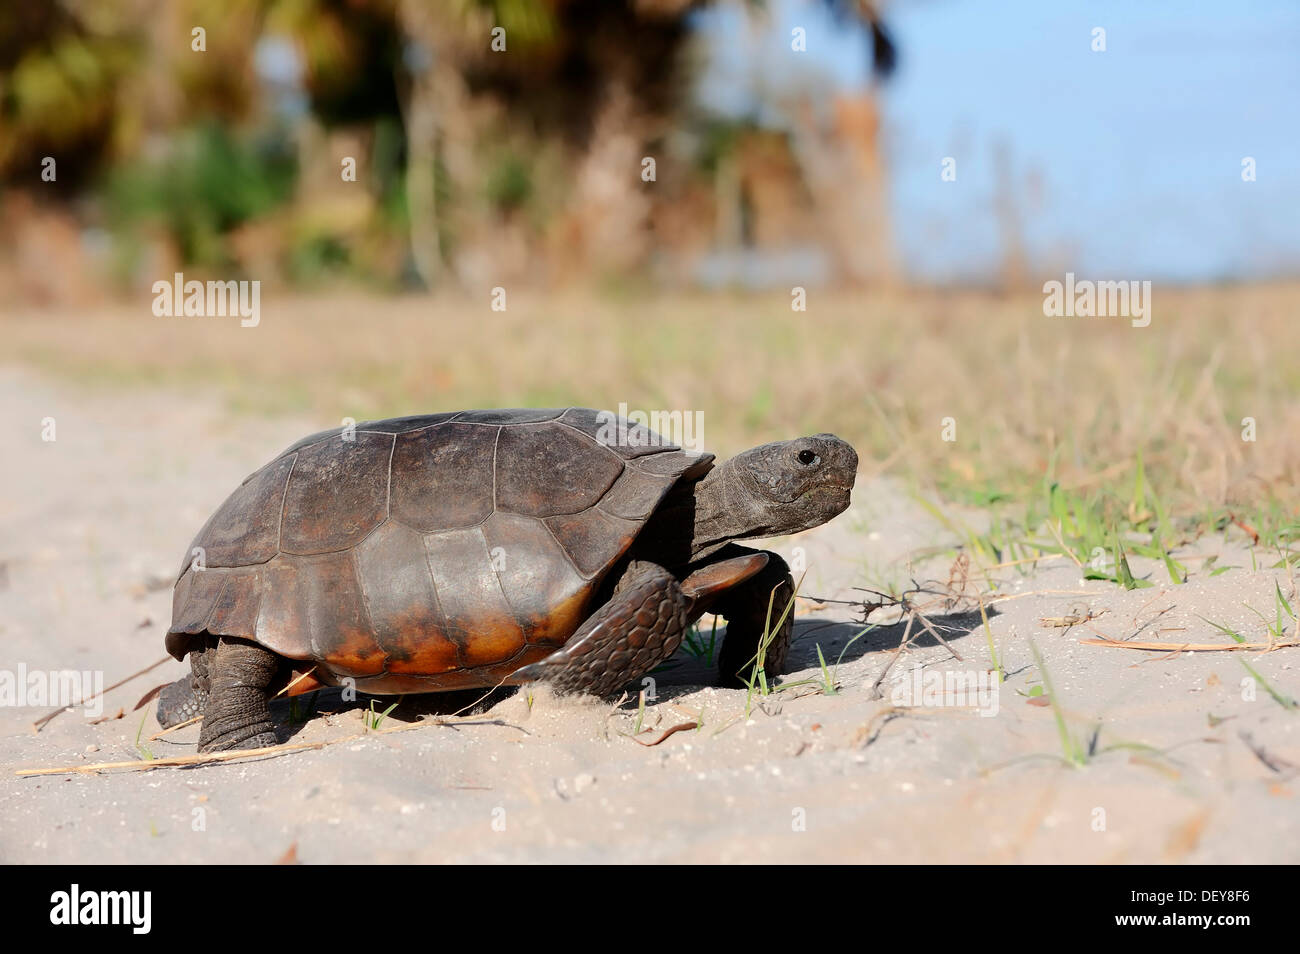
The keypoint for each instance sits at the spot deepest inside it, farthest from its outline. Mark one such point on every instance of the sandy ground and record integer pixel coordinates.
(93, 525)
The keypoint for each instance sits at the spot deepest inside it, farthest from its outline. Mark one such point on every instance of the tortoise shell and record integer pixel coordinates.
(425, 553)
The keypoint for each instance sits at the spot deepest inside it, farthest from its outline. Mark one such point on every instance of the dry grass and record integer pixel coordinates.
(880, 370)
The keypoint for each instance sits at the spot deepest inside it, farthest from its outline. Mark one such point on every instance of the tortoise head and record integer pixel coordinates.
(775, 489)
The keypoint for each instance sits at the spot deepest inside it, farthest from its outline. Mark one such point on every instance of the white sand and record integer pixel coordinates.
(92, 528)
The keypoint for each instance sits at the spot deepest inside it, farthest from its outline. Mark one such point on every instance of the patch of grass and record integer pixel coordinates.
(1075, 752)
(830, 685)
(1123, 575)
(1072, 752)
(1286, 702)
(757, 679)
(144, 751)
(640, 713)
(1106, 414)
(1099, 530)
(1177, 572)
(1282, 604)
(1276, 627)
(993, 650)
(696, 645)
(301, 709)
(374, 719)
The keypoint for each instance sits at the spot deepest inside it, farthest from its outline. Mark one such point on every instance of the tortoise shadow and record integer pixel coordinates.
(837, 641)
(291, 716)
(835, 638)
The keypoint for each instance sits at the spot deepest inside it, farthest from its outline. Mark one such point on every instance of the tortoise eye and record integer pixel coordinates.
(807, 457)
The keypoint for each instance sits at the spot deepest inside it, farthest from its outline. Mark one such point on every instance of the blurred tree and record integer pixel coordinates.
(524, 122)
(602, 82)
(207, 185)
(62, 69)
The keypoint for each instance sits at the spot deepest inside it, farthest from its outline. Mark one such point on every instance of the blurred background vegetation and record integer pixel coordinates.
(223, 150)
(478, 167)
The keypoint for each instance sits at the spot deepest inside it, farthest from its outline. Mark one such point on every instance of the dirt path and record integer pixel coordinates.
(92, 528)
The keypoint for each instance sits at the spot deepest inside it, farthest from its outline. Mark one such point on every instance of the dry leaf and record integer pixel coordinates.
(680, 727)
(109, 718)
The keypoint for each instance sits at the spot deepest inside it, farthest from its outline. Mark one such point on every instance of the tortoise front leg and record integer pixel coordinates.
(238, 714)
(745, 608)
(641, 626)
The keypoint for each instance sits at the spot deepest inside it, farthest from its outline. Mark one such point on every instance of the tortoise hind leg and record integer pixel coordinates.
(238, 715)
(641, 626)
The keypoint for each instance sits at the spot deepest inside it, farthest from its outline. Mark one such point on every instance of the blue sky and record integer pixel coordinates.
(1136, 151)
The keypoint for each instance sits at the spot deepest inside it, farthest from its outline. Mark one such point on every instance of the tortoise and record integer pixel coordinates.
(483, 548)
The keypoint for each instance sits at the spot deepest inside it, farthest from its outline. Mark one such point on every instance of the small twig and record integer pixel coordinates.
(178, 725)
(935, 633)
(727, 725)
(44, 720)
(1274, 762)
(679, 727)
(295, 682)
(1191, 647)
(809, 630)
(149, 696)
(1021, 596)
(179, 760)
(175, 761)
(866, 734)
(1153, 619)
(1056, 532)
(1046, 557)
(1065, 622)
(1143, 607)
(875, 686)
(1247, 528)
(1102, 635)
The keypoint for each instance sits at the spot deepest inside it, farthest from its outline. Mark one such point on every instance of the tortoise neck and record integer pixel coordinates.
(724, 511)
